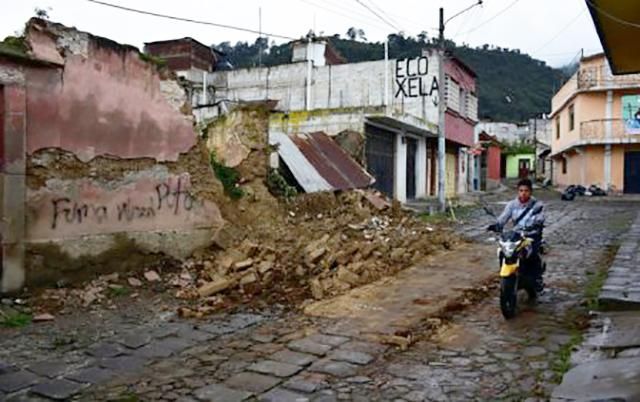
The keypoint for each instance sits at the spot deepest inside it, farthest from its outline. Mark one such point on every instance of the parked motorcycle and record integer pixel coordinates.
(515, 254)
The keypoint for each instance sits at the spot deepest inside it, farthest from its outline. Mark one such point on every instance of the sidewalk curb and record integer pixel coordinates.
(610, 353)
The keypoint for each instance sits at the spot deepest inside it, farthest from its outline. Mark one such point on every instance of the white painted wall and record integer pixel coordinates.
(350, 85)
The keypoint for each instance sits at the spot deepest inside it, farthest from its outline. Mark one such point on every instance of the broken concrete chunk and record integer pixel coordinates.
(397, 254)
(347, 276)
(152, 276)
(214, 287)
(43, 317)
(316, 289)
(248, 279)
(244, 264)
(135, 282)
(315, 255)
(265, 266)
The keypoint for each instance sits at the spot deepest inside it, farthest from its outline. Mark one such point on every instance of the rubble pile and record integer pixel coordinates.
(325, 245)
(316, 246)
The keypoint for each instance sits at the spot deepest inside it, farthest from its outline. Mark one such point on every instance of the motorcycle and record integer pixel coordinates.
(515, 256)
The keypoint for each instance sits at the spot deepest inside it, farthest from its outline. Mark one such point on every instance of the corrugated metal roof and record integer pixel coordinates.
(318, 163)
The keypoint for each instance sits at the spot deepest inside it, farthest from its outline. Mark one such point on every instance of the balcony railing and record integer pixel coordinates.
(609, 130)
(601, 77)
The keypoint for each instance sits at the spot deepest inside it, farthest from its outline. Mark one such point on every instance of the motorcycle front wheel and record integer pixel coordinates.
(509, 296)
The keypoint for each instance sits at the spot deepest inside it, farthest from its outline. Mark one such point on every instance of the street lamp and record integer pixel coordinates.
(442, 105)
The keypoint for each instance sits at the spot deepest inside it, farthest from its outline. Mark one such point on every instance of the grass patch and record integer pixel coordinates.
(126, 397)
(119, 291)
(593, 286)
(562, 362)
(228, 176)
(14, 320)
(461, 213)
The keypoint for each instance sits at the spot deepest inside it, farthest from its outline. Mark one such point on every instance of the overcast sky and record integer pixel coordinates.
(550, 30)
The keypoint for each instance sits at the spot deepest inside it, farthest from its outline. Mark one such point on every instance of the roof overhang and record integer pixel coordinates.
(402, 124)
(618, 26)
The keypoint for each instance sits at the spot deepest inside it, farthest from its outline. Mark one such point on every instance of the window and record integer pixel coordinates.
(463, 102)
(558, 128)
(571, 118)
(564, 165)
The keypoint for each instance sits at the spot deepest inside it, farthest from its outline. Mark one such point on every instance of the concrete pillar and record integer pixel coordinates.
(13, 188)
(608, 134)
(607, 167)
(463, 171)
(421, 168)
(400, 160)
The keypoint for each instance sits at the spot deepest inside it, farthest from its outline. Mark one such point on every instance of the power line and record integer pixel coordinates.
(499, 13)
(378, 15)
(335, 11)
(573, 20)
(190, 20)
(613, 17)
(388, 15)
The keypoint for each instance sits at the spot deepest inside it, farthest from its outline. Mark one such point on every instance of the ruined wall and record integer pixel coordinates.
(105, 101)
(115, 175)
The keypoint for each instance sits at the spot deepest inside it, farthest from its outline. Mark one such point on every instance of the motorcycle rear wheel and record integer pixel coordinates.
(509, 296)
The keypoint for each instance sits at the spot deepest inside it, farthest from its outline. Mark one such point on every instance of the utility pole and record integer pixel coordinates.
(260, 37)
(442, 105)
(535, 148)
(441, 115)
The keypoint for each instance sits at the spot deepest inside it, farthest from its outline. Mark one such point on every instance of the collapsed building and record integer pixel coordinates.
(99, 158)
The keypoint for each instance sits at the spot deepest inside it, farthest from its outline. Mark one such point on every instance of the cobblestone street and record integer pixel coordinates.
(473, 354)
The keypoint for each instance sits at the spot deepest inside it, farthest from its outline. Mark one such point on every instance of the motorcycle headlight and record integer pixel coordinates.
(508, 248)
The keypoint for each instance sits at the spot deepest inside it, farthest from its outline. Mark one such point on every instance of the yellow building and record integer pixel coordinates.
(596, 128)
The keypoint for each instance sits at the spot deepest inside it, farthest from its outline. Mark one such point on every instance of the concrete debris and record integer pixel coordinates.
(242, 265)
(363, 240)
(214, 287)
(135, 282)
(152, 276)
(43, 317)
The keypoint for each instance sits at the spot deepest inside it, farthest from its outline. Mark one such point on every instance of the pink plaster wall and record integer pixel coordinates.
(458, 129)
(105, 102)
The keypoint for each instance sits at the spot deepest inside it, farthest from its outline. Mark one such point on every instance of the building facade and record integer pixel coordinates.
(596, 128)
(191, 61)
(393, 106)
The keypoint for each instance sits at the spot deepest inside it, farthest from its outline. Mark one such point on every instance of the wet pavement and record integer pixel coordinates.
(470, 353)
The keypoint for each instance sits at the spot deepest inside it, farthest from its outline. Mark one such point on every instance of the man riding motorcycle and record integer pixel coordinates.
(524, 217)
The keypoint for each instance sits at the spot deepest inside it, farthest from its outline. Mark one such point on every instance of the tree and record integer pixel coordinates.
(42, 13)
(362, 35)
(352, 33)
(423, 36)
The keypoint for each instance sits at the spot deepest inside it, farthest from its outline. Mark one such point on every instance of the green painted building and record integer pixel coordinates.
(519, 165)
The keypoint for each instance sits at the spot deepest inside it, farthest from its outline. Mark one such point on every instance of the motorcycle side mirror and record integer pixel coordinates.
(489, 211)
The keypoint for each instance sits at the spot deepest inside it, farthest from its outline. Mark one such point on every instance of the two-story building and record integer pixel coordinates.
(596, 128)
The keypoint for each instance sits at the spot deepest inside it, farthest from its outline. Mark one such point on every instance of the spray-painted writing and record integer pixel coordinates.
(171, 196)
(412, 80)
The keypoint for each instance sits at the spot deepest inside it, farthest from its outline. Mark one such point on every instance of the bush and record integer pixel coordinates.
(228, 176)
(278, 186)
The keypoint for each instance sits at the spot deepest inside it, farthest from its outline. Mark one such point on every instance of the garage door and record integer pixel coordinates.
(379, 149)
(632, 172)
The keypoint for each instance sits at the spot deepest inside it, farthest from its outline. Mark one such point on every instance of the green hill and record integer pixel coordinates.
(512, 86)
